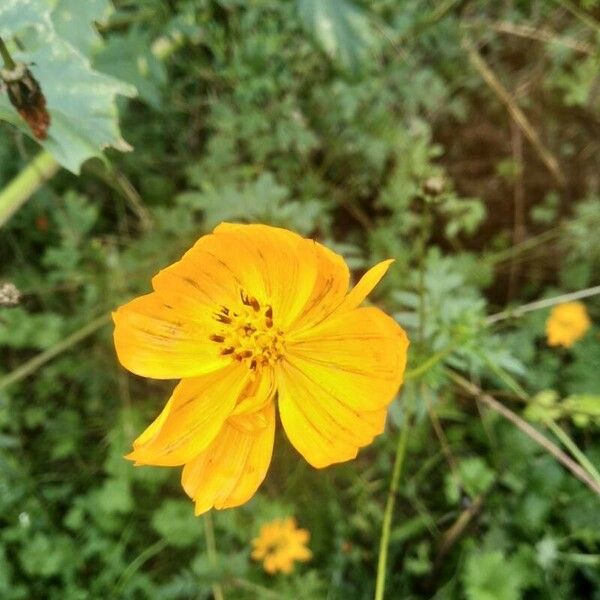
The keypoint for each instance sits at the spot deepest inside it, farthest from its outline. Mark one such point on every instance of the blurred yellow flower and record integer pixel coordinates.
(249, 312)
(566, 324)
(279, 544)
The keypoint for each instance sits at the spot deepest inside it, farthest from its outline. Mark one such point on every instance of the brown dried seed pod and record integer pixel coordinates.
(25, 94)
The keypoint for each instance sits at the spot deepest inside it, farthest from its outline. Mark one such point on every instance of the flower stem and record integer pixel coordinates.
(389, 508)
(211, 550)
(26, 183)
(9, 63)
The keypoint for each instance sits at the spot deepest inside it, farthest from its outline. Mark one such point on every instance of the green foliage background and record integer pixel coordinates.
(362, 124)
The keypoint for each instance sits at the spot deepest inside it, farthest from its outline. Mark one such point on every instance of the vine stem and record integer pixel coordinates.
(26, 183)
(9, 63)
(211, 550)
(389, 508)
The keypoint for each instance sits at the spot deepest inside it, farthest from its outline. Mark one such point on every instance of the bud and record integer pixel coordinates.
(434, 185)
(9, 294)
(25, 94)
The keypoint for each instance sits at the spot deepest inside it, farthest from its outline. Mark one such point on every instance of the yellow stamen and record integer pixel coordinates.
(248, 333)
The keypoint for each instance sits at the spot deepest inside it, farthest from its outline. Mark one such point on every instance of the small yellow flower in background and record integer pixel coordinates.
(279, 544)
(251, 312)
(566, 324)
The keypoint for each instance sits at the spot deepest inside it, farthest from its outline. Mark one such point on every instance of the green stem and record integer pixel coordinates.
(260, 590)
(573, 448)
(138, 562)
(588, 560)
(211, 550)
(389, 508)
(428, 364)
(9, 63)
(26, 183)
(508, 379)
(36, 362)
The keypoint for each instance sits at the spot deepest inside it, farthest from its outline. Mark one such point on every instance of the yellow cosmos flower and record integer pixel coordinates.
(279, 544)
(249, 314)
(566, 324)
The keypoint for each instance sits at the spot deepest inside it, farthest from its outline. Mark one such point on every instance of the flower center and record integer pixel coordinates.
(248, 334)
(279, 544)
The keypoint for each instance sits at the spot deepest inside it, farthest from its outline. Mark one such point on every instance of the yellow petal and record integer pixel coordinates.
(260, 393)
(198, 284)
(359, 356)
(365, 286)
(337, 381)
(567, 323)
(152, 339)
(230, 470)
(192, 418)
(330, 296)
(292, 274)
(329, 289)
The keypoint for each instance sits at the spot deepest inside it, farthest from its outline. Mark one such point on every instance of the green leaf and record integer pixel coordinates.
(175, 522)
(543, 407)
(476, 476)
(463, 214)
(74, 22)
(582, 408)
(340, 28)
(114, 497)
(46, 556)
(262, 200)
(491, 576)
(129, 58)
(22, 329)
(81, 101)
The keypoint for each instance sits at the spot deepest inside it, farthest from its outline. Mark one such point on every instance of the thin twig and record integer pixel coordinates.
(514, 110)
(533, 33)
(42, 358)
(545, 303)
(527, 429)
(458, 527)
(577, 12)
(519, 204)
(119, 182)
(439, 432)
